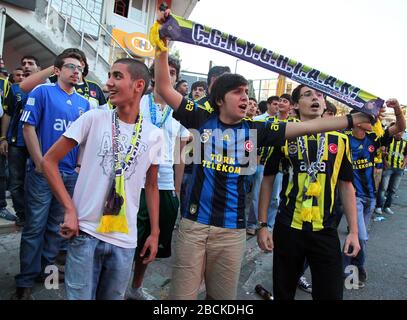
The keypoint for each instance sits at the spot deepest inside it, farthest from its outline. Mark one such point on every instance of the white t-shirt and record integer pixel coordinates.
(93, 132)
(262, 116)
(171, 130)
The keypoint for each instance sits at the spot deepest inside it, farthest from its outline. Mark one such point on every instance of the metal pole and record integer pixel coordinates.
(83, 34)
(48, 9)
(3, 19)
(65, 26)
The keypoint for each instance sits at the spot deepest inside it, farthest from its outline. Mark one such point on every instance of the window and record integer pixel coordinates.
(138, 10)
(121, 7)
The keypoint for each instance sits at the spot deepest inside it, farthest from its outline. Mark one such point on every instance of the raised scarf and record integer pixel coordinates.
(179, 29)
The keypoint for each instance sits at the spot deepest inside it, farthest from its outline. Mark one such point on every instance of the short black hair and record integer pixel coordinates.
(295, 96)
(173, 62)
(253, 98)
(177, 85)
(216, 71)
(28, 57)
(272, 98)
(137, 70)
(262, 105)
(287, 96)
(60, 59)
(197, 84)
(222, 85)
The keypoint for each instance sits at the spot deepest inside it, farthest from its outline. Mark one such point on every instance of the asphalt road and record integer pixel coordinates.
(386, 264)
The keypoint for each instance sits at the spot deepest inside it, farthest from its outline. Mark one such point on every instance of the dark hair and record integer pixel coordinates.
(253, 98)
(216, 71)
(262, 105)
(295, 96)
(330, 107)
(197, 84)
(287, 96)
(83, 58)
(173, 62)
(137, 70)
(60, 59)
(29, 58)
(222, 85)
(11, 75)
(272, 98)
(178, 84)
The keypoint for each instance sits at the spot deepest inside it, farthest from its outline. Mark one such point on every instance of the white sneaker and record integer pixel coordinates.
(304, 285)
(388, 210)
(138, 294)
(378, 211)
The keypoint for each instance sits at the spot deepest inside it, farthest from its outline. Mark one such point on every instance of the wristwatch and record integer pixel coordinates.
(261, 224)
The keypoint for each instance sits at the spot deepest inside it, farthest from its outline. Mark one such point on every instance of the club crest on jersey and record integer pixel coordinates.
(333, 148)
(371, 148)
(93, 93)
(69, 102)
(248, 145)
(205, 135)
(292, 149)
(193, 208)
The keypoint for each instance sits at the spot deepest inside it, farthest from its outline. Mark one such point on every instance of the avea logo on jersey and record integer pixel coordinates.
(61, 124)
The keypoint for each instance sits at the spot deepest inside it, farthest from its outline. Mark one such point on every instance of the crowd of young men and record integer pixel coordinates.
(279, 173)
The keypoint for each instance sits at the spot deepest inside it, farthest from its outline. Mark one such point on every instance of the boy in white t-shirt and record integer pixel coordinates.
(155, 110)
(119, 152)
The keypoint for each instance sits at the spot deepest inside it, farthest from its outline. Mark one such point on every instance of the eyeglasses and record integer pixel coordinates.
(309, 93)
(73, 67)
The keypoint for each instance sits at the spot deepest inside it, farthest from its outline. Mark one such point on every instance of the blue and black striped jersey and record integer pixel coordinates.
(226, 157)
(363, 154)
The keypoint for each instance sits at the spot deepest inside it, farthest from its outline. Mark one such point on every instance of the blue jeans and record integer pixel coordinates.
(40, 239)
(275, 196)
(96, 269)
(365, 207)
(17, 160)
(391, 179)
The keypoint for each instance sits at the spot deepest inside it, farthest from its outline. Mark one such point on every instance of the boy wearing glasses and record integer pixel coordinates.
(305, 226)
(49, 111)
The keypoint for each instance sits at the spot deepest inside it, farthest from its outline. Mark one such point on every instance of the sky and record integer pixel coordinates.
(362, 42)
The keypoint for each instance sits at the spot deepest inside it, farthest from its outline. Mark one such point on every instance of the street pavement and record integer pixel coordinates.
(386, 263)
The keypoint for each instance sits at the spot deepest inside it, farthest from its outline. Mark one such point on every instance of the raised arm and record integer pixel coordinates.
(400, 124)
(163, 83)
(296, 129)
(35, 79)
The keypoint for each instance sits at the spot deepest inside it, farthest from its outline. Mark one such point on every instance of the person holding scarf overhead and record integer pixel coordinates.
(211, 234)
(119, 157)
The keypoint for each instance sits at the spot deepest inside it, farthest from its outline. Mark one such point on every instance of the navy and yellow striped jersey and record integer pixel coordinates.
(265, 152)
(335, 165)
(13, 106)
(363, 154)
(225, 159)
(396, 153)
